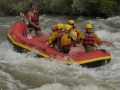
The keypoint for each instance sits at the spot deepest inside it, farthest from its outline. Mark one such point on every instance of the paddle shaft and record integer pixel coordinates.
(115, 44)
(25, 27)
(107, 42)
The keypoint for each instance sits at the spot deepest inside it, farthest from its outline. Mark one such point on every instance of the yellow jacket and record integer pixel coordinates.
(52, 37)
(65, 40)
(97, 40)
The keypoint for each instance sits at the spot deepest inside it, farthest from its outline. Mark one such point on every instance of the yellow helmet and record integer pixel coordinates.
(73, 34)
(60, 26)
(68, 27)
(88, 26)
(71, 22)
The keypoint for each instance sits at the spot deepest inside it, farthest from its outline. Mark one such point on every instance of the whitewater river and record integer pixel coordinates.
(26, 72)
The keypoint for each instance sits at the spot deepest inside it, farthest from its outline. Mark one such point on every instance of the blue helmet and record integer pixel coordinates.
(31, 4)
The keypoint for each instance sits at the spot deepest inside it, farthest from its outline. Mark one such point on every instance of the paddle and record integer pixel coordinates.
(25, 27)
(115, 44)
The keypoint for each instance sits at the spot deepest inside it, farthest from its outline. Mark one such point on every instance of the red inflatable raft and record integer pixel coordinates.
(17, 36)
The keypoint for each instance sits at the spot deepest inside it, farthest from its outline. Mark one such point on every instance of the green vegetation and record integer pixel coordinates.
(63, 7)
(107, 7)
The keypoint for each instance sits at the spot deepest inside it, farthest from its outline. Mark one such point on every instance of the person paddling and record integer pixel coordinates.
(90, 39)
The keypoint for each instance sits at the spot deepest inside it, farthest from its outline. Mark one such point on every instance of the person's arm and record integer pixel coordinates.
(97, 40)
(38, 19)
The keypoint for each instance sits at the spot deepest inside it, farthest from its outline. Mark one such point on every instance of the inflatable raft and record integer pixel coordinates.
(17, 37)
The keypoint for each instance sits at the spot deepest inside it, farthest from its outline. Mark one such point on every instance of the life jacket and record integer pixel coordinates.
(71, 44)
(35, 18)
(55, 30)
(53, 38)
(88, 40)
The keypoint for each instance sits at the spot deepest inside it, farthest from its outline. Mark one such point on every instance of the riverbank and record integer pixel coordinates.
(88, 8)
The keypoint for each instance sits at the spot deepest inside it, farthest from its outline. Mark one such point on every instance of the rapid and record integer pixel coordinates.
(26, 72)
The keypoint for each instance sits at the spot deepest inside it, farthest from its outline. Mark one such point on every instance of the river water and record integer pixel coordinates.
(26, 72)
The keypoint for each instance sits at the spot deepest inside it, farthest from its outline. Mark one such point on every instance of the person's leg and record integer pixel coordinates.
(37, 30)
(93, 49)
(77, 50)
(39, 33)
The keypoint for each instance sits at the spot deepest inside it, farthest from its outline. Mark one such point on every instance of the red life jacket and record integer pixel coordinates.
(35, 18)
(88, 40)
